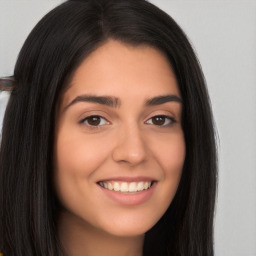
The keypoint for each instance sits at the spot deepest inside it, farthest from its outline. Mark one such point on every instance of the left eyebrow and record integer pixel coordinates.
(162, 99)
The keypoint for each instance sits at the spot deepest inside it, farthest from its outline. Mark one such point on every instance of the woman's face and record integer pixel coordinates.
(119, 148)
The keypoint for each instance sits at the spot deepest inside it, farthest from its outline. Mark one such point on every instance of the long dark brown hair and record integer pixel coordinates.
(47, 60)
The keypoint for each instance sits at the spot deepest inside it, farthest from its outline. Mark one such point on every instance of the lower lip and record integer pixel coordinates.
(130, 198)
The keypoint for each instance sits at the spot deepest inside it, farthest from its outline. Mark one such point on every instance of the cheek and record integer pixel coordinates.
(76, 160)
(170, 156)
(78, 153)
(173, 159)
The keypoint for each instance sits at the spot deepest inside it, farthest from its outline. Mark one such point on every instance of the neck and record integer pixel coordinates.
(79, 238)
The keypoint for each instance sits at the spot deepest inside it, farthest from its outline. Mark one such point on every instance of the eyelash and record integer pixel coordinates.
(168, 119)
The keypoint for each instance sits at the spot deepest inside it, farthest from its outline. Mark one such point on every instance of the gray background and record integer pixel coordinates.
(224, 36)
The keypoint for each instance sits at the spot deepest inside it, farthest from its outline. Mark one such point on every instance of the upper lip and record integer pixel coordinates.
(128, 179)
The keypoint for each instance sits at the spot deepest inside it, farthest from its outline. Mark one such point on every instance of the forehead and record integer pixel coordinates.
(120, 69)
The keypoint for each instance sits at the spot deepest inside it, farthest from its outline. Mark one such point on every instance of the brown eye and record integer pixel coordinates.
(94, 121)
(161, 120)
(158, 120)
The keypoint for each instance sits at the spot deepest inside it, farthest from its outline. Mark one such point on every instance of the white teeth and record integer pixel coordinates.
(140, 186)
(110, 186)
(132, 187)
(147, 185)
(116, 186)
(126, 187)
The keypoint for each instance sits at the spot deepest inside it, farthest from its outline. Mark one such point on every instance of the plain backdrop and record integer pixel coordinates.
(223, 34)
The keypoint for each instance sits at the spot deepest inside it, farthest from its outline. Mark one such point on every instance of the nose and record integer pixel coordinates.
(130, 147)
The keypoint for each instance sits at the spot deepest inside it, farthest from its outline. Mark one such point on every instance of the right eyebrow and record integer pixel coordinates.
(103, 100)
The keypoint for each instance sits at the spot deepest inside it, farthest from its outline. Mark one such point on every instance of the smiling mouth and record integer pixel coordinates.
(126, 187)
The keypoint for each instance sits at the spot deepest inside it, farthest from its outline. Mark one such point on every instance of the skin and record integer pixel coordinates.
(126, 140)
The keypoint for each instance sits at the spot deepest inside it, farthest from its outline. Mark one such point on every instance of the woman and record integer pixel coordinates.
(108, 142)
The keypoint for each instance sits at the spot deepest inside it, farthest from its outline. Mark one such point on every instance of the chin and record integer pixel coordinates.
(126, 228)
(128, 232)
